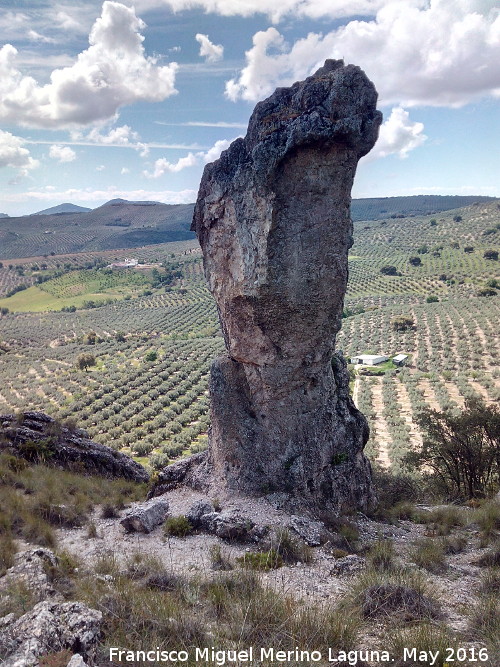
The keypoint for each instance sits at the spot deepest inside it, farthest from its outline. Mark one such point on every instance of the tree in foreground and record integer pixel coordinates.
(85, 361)
(462, 450)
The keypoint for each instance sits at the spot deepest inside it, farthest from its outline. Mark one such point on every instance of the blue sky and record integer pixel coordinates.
(132, 99)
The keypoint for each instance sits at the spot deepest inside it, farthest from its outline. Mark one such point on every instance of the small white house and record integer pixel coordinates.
(369, 359)
(400, 359)
(126, 264)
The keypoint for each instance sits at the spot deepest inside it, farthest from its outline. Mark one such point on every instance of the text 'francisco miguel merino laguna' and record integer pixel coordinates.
(221, 657)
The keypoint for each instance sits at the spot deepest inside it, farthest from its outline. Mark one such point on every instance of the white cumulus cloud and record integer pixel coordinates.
(398, 136)
(13, 154)
(117, 136)
(211, 52)
(113, 72)
(62, 153)
(441, 54)
(162, 165)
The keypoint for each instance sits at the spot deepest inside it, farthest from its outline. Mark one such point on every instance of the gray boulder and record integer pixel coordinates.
(77, 661)
(48, 628)
(30, 568)
(189, 471)
(310, 531)
(197, 511)
(229, 526)
(145, 517)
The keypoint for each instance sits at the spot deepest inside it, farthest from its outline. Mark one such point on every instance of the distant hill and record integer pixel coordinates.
(116, 224)
(4, 215)
(63, 208)
(128, 224)
(380, 208)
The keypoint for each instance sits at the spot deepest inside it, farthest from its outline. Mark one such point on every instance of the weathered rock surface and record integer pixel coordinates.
(231, 526)
(312, 532)
(48, 628)
(30, 568)
(144, 517)
(37, 437)
(348, 565)
(190, 471)
(198, 510)
(272, 218)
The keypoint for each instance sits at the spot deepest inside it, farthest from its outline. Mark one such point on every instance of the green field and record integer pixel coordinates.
(159, 409)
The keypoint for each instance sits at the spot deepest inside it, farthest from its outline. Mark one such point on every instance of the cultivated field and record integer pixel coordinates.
(147, 393)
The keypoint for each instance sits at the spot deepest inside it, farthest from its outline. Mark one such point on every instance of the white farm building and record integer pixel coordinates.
(369, 359)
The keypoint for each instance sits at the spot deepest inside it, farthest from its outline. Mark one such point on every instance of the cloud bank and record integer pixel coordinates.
(442, 54)
(398, 136)
(276, 10)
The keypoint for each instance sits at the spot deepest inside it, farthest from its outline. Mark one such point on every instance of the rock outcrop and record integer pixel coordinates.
(30, 568)
(272, 218)
(48, 628)
(37, 437)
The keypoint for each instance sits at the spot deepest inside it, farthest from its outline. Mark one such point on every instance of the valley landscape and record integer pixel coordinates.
(249, 407)
(119, 342)
(154, 328)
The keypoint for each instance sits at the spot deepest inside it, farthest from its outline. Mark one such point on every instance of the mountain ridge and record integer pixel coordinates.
(120, 223)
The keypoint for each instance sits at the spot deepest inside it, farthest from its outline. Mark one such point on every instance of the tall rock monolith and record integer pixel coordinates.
(273, 221)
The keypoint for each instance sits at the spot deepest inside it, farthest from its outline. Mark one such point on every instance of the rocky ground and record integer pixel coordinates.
(328, 578)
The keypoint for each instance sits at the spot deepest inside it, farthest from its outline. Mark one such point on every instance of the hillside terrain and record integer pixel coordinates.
(120, 342)
(155, 337)
(116, 224)
(123, 224)
(63, 208)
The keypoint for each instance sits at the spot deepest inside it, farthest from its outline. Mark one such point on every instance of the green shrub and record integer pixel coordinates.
(291, 548)
(402, 323)
(108, 511)
(425, 638)
(177, 526)
(484, 623)
(8, 549)
(394, 490)
(491, 558)
(487, 516)
(261, 560)
(460, 449)
(490, 582)
(441, 520)
(219, 560)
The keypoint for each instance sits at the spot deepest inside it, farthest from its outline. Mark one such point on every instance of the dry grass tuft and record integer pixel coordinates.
(430, 554)
(397, 594)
